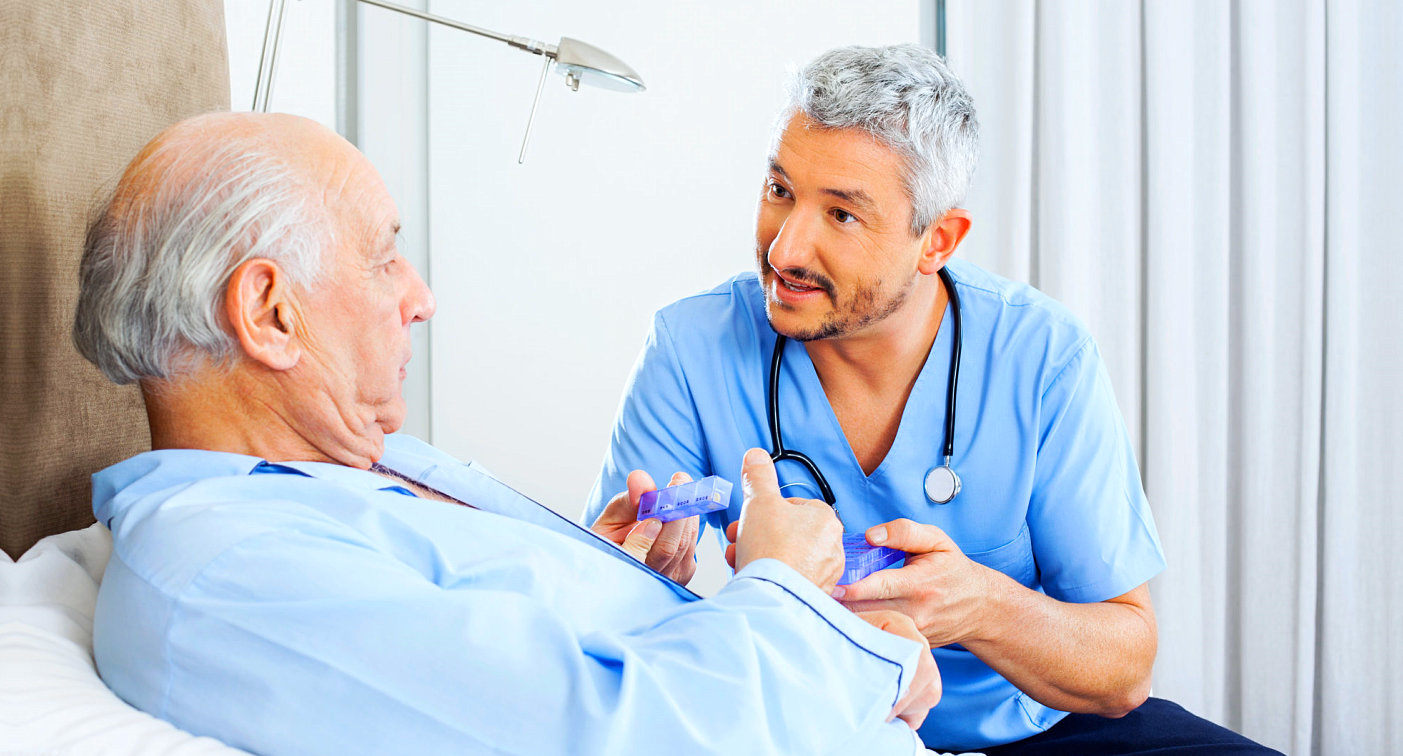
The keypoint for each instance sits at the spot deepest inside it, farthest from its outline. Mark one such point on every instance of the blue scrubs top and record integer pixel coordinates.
(310, 608)
(1051, 492)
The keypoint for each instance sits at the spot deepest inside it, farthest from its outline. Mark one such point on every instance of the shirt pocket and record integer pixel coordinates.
(1014, 558)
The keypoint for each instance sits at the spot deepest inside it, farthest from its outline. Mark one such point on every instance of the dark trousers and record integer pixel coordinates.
(1157, 727)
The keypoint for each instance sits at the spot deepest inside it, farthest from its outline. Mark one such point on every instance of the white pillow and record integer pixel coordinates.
(51, 698)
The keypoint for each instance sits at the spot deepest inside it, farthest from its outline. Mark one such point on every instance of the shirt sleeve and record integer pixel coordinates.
(1092, 531)
(656, 428)
(340, 648)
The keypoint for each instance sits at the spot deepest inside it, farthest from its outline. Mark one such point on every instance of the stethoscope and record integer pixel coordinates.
(941, 482)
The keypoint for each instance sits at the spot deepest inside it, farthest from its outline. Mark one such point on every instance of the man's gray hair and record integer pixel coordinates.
(160, 254)
(909, 101)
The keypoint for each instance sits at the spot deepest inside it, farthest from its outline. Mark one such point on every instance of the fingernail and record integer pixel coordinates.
(756, 456)
(652, 527)
(877, 536)
(838, 592)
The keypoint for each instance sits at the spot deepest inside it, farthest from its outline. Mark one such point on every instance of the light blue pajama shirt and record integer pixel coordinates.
(320, 609)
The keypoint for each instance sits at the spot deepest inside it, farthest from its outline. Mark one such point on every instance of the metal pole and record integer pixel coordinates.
(940, 28)
(267, 58)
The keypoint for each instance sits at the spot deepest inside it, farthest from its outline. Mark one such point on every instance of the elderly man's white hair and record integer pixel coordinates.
(195, 204)
(908, 100)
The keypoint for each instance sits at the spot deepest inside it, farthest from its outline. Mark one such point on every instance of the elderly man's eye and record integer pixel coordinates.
(778, 190)
(843, 216)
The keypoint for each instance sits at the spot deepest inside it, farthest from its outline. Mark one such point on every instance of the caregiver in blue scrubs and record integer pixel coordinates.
(1029, 577)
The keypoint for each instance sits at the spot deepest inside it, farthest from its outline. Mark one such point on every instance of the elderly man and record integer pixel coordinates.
(288, 576)
(880, 369)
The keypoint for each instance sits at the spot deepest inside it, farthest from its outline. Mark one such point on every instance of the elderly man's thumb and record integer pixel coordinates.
(757, 474)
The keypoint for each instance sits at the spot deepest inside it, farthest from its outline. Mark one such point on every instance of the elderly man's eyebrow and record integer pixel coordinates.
(775, 167)
(387, 245)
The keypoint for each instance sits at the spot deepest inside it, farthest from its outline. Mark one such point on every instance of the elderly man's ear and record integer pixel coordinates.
(263, 314)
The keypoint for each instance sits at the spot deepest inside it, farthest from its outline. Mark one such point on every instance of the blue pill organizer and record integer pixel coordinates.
(861, 559)
(686, 499)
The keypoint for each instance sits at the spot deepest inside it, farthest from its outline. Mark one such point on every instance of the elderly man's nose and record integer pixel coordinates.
(419, 303)
(427, 307)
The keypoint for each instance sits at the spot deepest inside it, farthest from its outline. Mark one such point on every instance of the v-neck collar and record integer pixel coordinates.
(926, 383)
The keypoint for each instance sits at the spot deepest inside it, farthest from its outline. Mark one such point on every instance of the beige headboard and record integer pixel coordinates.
(83, 84)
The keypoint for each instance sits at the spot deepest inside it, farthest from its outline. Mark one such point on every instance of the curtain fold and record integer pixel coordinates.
(1359, 707)
(1209, 185)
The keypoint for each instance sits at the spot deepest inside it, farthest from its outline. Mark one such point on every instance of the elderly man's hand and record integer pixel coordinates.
(669, 548)
(925, 690)
(803, 533)
(939, 587)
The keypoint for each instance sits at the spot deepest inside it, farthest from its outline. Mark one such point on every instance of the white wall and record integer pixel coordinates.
(306, 70)
(547, 273)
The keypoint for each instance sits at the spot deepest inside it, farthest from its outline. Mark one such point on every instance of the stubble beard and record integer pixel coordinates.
(863, 307)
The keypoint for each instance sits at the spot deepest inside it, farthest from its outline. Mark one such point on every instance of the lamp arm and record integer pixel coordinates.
(523, 43)
(575, 58)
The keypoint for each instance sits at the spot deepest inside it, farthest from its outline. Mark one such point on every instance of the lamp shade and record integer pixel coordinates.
(583, 63)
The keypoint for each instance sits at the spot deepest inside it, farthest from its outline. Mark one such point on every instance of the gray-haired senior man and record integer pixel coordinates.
(290, 577)
(1030, 583)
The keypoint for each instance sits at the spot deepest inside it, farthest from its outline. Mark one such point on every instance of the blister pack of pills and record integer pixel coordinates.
(686, 499)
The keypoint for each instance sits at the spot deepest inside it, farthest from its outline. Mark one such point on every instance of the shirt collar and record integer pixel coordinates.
(164, 468)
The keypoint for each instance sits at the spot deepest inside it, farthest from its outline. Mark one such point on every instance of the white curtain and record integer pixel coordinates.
(1211, 185)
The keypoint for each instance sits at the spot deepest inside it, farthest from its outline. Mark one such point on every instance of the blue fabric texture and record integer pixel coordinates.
(310, 608)
(1051, 491)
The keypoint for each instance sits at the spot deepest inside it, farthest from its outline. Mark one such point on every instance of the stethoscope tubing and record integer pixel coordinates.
(781, 454)
(953, 381)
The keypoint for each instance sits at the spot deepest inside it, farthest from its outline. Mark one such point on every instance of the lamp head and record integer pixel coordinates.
(583, 63)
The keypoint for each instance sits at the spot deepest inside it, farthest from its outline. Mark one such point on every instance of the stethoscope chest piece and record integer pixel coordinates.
(942, 484)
